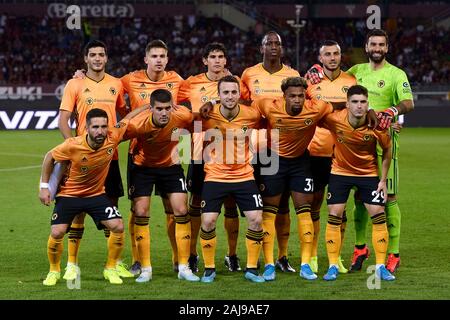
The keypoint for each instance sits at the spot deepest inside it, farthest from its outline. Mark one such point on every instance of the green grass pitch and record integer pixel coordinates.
(24, 228)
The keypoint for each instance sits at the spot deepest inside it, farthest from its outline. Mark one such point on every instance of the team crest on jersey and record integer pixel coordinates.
(262, 187)
(169, 85)
(344, 89)
(405, 84)
(366, 137)
(143, 95)
(328, 195)
(54, 216)
(120, 124)
(113, 91)
(244, 129)
(381, 83)
(89, 101)
(203, 204)
(109, 151)
(204, 99)
(84, 169)
(308, 122)
(131, 190)
(318, 97)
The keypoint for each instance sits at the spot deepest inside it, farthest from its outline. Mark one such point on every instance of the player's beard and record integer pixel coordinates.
(296, 109)
(99, 139)
(332, 69)
(376, 59)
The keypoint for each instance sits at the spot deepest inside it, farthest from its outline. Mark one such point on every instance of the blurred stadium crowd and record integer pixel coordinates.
(42, 50)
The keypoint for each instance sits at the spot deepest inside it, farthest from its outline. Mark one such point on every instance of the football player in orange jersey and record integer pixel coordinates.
(355, 165)
(333, 88)
(96, 90)
(292, 118)
(139, 85)
(229, 172)
(155, 161)
(90, 155)
(263, 80)
(194, 92)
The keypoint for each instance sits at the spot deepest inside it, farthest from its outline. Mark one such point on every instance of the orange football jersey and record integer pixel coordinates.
(227, 155)
(198, 90)
(157, 147)
(355, 150)
(257, 82)
(139, 86)
(88, 167)
(82, 95)
(294, 132)
(332, 91)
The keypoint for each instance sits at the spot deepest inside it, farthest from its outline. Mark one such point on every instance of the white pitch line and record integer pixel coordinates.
(19, 168)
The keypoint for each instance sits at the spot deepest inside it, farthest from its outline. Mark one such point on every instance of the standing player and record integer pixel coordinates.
(295, 120)
(389, 93)
(155, 162)
(229, 172)
(90, 155)
(263, 80)
(139, 85)
(355, 165)
(195, 92)
(96, 90)
(333, 88)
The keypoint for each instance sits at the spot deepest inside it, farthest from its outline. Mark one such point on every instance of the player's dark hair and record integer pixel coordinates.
(264, 39)
(293, 82)
(96, 113)
(94, 44)
(160, 95)
(214, 46)
(228, 78)
(357, 89)
(377, 33)
(156, 44)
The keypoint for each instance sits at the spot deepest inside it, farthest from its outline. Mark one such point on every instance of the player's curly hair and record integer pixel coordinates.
(293, 82)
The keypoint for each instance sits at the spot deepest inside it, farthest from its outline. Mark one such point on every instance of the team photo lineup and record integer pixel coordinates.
(317, 130)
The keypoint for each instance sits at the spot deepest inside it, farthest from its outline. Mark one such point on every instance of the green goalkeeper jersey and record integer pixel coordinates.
(387, 86)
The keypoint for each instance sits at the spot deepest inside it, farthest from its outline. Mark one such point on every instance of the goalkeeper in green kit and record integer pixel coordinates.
(390, 95)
